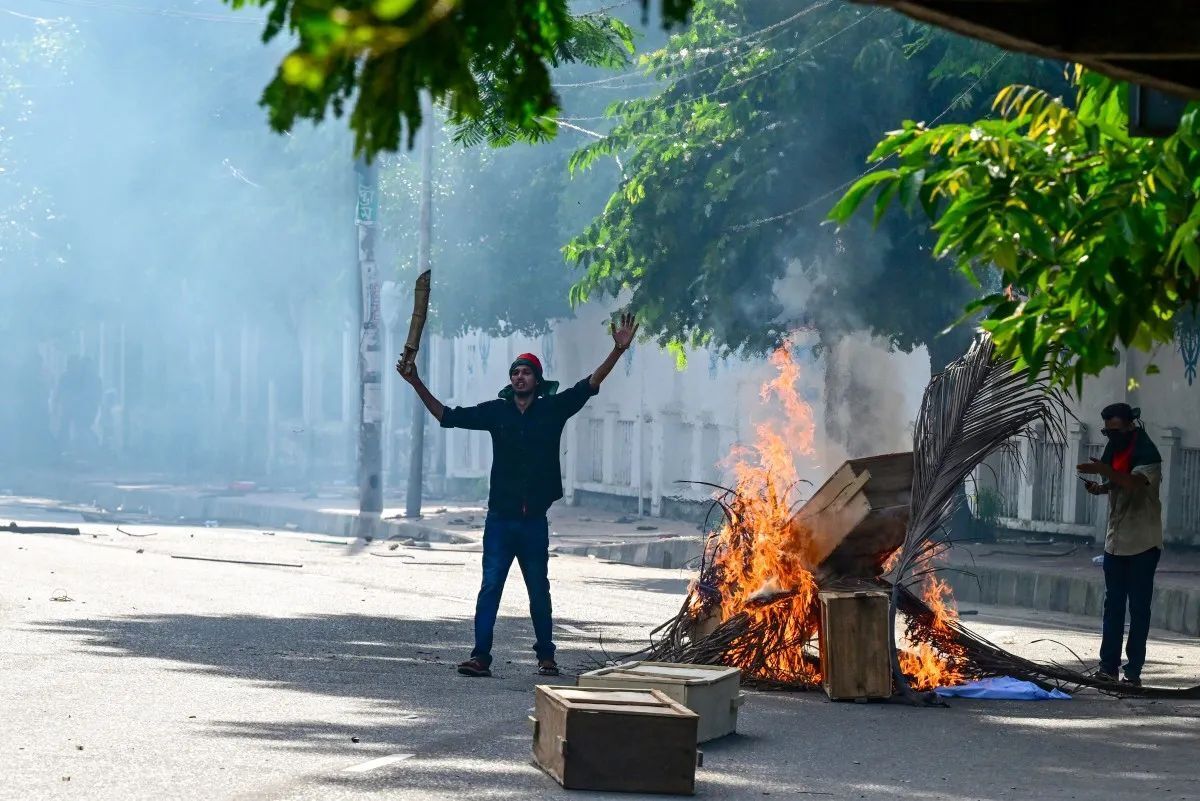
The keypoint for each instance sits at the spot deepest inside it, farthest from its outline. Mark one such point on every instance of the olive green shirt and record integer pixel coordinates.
(1135, 515)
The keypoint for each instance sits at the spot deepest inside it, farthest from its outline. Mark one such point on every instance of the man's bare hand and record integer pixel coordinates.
(624, 332)
(1095, 467)
(407, 371)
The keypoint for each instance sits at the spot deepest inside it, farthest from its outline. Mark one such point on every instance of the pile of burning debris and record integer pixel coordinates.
(876, 523)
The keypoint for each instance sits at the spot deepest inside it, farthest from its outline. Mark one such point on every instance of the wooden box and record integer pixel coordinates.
(637, 741)
(856, 517)
(855, 652)
(711, 691)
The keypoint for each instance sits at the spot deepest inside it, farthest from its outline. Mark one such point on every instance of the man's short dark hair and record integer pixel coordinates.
(1121, 411)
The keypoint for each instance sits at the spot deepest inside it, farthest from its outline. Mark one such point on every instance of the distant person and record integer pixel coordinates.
(1132, 471)
(526, 425)
(78, 402)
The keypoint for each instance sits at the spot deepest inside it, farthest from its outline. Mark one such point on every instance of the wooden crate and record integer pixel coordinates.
(637, 741)
(855, 652)
(711, 691)
(855, 518)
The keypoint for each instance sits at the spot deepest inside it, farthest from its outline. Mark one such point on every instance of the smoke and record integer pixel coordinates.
(871, 387)
(181, 262)
(180, 283)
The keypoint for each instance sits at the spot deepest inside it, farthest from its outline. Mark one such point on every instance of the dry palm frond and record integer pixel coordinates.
(969, 411)
(977, 657)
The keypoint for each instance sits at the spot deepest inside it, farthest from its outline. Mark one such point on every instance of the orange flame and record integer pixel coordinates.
(929, 666)
(758, 555)
(758, 566)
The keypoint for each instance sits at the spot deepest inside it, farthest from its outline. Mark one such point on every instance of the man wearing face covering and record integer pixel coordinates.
(1131, 469)
(526, 424)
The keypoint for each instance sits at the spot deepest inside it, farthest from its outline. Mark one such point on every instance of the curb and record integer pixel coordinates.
(235, 510)
(669, 554)
(1174, 608)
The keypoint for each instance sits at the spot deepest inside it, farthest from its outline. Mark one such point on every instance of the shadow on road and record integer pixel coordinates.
(669, 586)
(467, 733)
(469, 736)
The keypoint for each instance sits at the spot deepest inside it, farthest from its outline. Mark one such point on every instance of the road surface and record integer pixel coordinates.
(130, 674)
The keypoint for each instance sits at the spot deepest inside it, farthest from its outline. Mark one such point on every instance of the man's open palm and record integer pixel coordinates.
(624, 332)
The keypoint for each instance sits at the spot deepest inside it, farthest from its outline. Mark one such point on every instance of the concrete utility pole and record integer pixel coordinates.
(412, 505)
(370, 354)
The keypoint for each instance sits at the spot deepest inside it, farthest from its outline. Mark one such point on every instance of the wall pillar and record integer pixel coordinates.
(660, 427)
(1025, 480)
(571, 460)
(609, 438)
(1073, 454)
(1169, 442)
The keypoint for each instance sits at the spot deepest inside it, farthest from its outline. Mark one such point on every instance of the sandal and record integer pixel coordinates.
(548, 667)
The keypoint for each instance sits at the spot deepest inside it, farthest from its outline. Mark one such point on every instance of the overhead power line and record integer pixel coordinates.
(614, 79)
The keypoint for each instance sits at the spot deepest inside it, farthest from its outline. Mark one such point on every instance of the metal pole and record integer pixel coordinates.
(370, 354)
(412, 506)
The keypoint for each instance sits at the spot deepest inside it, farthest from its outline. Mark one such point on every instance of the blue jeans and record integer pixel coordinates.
(526, 539)
(1127, 580)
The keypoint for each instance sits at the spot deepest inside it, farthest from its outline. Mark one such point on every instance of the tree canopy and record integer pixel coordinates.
(1092, 231)
(501, 215)
(39, 53)
(715, 232)
(488, 62)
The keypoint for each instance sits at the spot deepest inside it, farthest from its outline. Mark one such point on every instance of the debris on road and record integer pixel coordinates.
(131, 534)
(234, 561)
(14, 528)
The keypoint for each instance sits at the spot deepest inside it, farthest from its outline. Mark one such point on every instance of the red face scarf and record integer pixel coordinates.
(1122, 460)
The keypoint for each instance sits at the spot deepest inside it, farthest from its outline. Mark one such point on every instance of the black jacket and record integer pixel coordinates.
(526, 476)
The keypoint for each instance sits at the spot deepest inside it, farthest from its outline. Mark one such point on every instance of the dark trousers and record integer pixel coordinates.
(1128, 580)
(526, 539)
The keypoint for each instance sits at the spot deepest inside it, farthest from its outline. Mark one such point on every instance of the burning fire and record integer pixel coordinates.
(930, 667)
(758, 572)
(757, 557)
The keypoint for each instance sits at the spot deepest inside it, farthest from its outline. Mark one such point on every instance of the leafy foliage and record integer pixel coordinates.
(715, 233)
(499, 217)
(1092, 231)
(39, 54)
(487, 61)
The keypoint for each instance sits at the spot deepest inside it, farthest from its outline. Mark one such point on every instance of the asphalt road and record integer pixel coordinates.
(128, 674)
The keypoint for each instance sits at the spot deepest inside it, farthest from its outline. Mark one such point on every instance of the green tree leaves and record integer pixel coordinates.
(1093, 231)
(714, 234)
(487, 62)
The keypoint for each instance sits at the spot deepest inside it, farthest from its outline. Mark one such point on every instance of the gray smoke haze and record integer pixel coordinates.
(179, 280)
(176, 254)
(868, 382)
